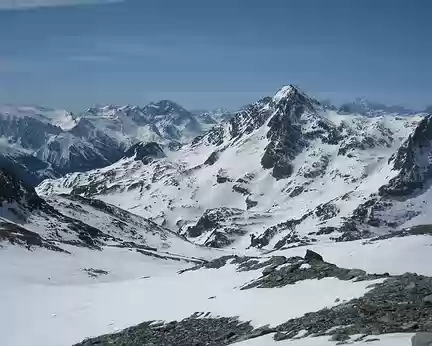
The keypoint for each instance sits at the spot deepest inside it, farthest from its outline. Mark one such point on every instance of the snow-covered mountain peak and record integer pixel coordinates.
(280, 170)
(288, 91)
(284, 92)
(293, 93)
(56, 117)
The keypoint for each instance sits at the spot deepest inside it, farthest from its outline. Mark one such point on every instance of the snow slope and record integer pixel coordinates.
(71, 306)
(30, 221)
(97, 306)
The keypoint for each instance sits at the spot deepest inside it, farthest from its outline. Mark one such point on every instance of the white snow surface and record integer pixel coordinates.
(51, 295)
(395, 255)
(58, 117)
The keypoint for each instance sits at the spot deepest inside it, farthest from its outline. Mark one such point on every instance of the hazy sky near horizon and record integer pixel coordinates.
(206, 54)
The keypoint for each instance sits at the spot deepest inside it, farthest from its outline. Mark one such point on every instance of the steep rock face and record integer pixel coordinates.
(145, 152)
(14, 190)
(413, 161)
(66, 153)
(27, 167)
(30, 133)
(285, 135)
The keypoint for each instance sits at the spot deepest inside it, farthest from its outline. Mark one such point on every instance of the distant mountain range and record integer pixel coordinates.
(41, 143)
(45, 143)
(375, 109)
(286, 170)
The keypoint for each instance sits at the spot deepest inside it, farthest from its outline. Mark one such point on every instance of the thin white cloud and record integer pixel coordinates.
(25, 4)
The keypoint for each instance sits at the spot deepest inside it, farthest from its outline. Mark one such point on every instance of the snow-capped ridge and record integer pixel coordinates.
(368, 108)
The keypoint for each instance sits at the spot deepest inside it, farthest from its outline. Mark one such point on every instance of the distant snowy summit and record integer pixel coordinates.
(40, 143)
(374, 109)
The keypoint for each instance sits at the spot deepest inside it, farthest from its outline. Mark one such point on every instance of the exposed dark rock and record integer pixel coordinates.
(222, 177)
(285, 136)
(296, 269)
(296, 191)
(212, 219)
(219, 239)
(387, 308)
(313, 256)
(250, 203)
(326, 230)
(174, 145)
(413, 163)
(13, 189)
(421, 339)
(146, 152)
(326, 211)
(17, 235)
(318, 168)
(211, 160)
(240, 189)
(94, 273)
(339, 337)
(194, 330)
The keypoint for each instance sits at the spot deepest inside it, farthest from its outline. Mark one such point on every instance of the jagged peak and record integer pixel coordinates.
(285, 92)
(293, 93)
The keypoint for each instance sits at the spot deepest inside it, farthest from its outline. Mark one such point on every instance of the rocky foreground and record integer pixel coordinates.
(394, 304)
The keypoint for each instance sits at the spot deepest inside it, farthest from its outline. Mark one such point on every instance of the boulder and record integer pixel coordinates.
(313, 256)
(421, 339)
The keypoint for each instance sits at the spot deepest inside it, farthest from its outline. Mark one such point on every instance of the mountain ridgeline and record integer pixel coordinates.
(282, 172)
(41, 143)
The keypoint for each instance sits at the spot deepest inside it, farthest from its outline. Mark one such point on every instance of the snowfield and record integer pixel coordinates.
(60, 304)
(290, 220)
(58, 312)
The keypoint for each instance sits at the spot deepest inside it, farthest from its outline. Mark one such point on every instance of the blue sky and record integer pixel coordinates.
(205, 54)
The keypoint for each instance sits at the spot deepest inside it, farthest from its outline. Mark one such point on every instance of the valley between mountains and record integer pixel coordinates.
(288, 222)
